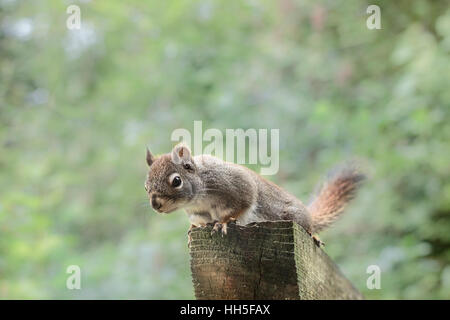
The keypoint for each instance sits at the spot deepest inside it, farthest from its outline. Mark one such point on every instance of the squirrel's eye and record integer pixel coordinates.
(175, 181)
(187, 166)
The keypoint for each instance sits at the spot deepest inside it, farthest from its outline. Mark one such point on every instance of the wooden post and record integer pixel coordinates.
(265, 260)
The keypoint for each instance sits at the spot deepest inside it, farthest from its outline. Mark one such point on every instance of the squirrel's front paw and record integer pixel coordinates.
(219, 227)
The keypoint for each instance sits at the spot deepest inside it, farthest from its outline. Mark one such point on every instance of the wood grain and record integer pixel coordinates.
(267, 260)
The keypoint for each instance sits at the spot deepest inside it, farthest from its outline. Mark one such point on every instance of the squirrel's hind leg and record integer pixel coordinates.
(317, 240)
(303, 218)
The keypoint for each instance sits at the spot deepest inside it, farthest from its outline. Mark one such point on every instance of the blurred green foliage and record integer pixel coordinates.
(78, 108)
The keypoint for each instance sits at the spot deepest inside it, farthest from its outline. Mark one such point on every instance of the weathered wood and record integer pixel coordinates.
(266, 260)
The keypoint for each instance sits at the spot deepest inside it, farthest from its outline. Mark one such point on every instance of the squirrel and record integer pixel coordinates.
(216, 192)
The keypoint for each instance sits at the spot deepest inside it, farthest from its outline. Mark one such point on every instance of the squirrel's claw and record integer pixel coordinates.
(224, 228)
(216, 228)
(219, 227)
(317, 241)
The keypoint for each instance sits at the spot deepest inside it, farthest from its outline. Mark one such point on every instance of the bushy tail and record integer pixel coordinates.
(332, 196)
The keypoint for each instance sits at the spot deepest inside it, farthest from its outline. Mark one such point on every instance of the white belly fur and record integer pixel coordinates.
(200, 220)
(249, 216)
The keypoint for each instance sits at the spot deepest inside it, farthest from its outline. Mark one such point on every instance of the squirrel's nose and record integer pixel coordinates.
(155, 203)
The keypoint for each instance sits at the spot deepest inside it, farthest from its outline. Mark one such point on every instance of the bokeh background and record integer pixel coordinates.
(78, 108)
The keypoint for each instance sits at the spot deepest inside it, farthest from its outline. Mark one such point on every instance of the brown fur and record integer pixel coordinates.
(215, 191)
(332, 197)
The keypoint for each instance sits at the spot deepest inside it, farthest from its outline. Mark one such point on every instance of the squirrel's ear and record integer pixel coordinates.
(150, 158)
(180, 152)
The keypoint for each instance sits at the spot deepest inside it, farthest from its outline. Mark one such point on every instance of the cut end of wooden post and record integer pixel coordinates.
(267, 260)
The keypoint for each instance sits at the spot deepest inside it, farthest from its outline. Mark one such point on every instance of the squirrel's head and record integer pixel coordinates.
(172, 180)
